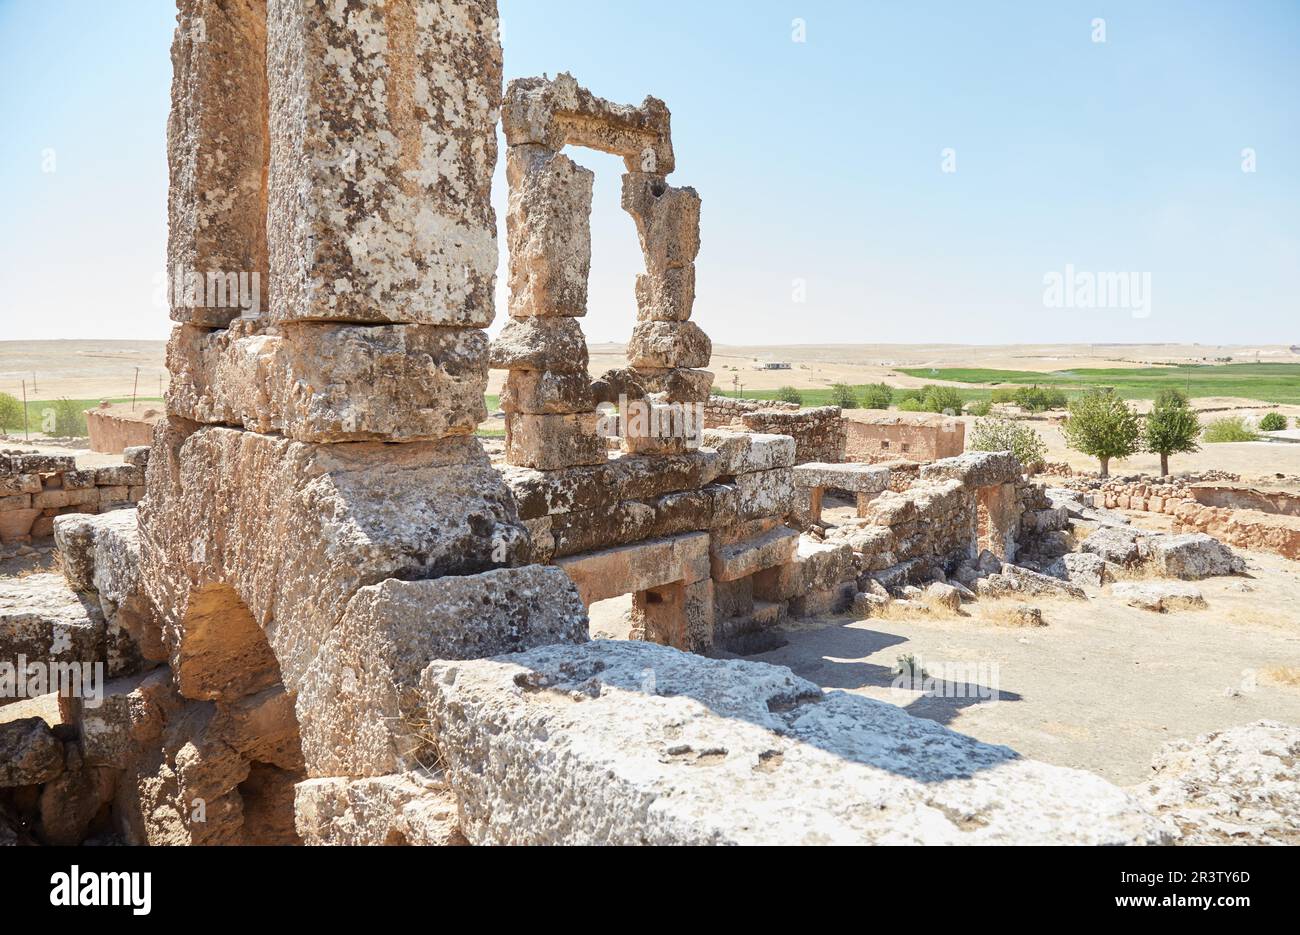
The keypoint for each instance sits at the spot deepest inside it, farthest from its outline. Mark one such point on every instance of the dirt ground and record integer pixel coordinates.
(1100, 687)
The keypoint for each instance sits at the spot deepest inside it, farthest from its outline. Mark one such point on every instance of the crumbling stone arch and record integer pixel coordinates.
(550, 405)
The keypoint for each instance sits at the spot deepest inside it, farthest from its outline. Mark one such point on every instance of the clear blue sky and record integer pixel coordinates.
(817, 161)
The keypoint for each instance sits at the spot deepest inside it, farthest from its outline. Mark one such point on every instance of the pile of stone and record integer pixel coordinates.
(35, 488)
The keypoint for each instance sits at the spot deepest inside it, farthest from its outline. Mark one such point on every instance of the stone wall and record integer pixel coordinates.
(914, 438)
(724, 410)
(35, 488)
(113, 430)
(818, 433)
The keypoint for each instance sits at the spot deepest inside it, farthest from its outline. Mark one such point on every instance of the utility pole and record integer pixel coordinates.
(135, 388)
(26, 435)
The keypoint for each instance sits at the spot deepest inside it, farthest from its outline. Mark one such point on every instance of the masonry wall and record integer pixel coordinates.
(112, 433)
(894, 438)
(818, 433)
(35, 488)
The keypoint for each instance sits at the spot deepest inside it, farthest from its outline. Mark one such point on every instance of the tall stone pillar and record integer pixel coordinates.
(289, 545)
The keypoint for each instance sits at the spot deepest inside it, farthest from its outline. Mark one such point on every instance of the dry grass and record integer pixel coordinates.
(1007, 614)
(1286, 676)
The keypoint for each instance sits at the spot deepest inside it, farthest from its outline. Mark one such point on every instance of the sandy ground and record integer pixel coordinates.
(88, 369)
(1100, 687)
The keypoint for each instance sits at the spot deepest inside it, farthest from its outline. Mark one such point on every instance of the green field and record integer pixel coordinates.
(36, 409)
(1275, 383)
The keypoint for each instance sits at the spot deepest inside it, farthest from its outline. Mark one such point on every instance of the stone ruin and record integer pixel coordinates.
(337, 621)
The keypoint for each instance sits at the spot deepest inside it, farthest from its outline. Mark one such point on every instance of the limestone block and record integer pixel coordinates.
(626, 569)
(294, 529)
(16, 525)
(543, 392)
(975, 468)
(624, 522)
(679, 615)
(407, 808)
(74, 537)
(19, 484)
(1192, 556)
(119, 475)
(548, 442)
(667, 220)
(745, 452)
(44, 620)
(748, 556)
(623, 742)
(359, 709)
(42, 464)
(814, 566)
(541, 344)
(666, 295)
(668, 344)
(548, 230)
(857, 478)
(382, 125)
(137, 455)
(29, 753)
(765, 493)
(217, 154)
(677, 384)
(223, 376)
(391, 383)
(824, 601)
(555, 112)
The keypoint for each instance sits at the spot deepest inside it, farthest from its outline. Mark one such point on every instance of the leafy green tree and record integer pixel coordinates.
(1172, 427)
(1272, 422)
(842, 395)
(789, 394)
(942, 399)
(979, 407)
(1102, 425)
(11, 413)
(1008, 435)
(877, 396)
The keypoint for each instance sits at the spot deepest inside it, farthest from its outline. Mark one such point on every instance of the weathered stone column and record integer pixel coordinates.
(550, 410)
(289, 547)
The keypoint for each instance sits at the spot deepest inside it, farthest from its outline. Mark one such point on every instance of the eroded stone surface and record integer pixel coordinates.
(1235, 786)
(359, 708)
(382, 152)
(647, 736)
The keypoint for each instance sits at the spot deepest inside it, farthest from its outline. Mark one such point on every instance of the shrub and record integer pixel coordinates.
(1008, 435)
(842, 395)
(1272, 422)
(911, 404)
(912, 393)
(11, 413)
(1102, 425)
(1171, 427)
(1228, 429)
(789, 394)
(1038, 398)
(877, 396)
(1004, 396)
(980, 407)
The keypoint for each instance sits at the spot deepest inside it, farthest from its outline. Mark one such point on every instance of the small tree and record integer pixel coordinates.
(11, 413)
(942, 399)
(1229, 429)
(1008, 435)
(979, 407)
(789, 394)
(1272, 422)
(877, 396)
(842, 395)
(1172, 427)
(1102, 425)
